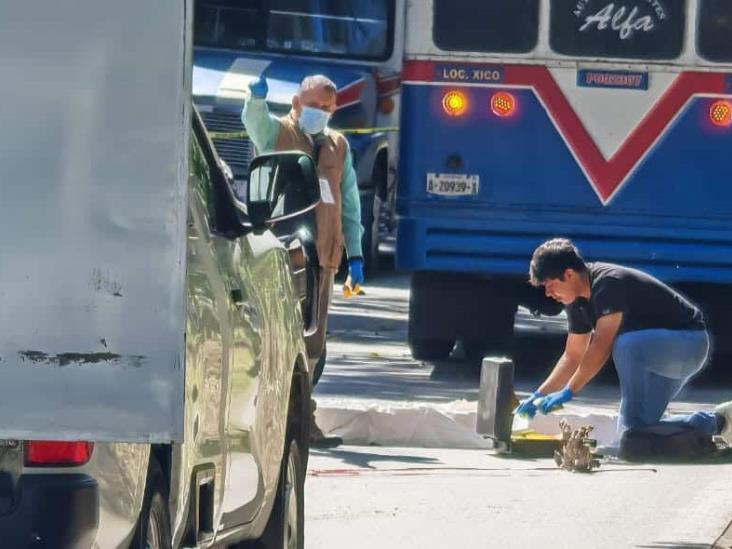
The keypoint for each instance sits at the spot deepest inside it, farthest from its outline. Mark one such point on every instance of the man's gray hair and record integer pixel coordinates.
(316, 81)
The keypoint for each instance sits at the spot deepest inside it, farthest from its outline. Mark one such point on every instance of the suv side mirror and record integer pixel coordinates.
(281, 185)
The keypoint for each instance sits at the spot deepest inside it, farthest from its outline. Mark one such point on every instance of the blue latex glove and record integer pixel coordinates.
(258, 87)
(355, 271)
(553, 400)
(527, 407)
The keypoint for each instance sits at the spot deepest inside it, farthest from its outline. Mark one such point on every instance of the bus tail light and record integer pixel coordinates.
(455, 103)
(720, 113)
(503, 104)
(42, 453)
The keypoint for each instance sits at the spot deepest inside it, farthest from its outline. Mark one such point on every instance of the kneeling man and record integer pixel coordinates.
(658, 339)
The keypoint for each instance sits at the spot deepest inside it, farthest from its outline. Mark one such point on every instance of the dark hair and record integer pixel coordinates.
(552, 258)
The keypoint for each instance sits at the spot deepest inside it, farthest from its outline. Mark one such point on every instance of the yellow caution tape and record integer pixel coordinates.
(346, 131)
(366, 131)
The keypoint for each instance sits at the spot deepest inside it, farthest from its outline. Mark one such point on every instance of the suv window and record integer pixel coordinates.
(632, 29)
(201, 172)
(715, 30)
(226, 211)
(495, 26)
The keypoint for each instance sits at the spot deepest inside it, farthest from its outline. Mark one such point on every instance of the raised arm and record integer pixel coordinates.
(262, 127)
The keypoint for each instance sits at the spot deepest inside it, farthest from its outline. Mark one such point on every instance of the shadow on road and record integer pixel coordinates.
(372, 330)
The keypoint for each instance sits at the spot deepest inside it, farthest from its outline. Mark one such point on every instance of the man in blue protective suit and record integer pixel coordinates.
(658, 340)
(338, 215)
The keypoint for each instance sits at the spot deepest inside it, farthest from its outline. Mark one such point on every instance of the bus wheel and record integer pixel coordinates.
(478, 350)
(446, 307)
(423, 349)
(498, 336)
(715, 301)
(370, 221)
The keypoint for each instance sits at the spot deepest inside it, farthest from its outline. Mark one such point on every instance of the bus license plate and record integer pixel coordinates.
(452, 184)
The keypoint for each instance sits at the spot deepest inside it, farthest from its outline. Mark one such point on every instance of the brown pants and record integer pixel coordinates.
(315, 342)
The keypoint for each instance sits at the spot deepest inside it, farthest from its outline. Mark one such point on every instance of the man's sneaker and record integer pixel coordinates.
(725, 410)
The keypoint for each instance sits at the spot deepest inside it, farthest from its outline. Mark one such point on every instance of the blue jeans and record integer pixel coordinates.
(653, 366)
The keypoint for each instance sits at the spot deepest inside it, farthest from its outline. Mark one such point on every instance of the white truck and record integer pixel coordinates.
(153, 381)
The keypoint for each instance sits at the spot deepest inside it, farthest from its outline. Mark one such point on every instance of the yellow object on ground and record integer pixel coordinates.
(529, 443)
(529, 434)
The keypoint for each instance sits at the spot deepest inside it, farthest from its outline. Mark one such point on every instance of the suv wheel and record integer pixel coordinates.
(285, 529)
(153, 527)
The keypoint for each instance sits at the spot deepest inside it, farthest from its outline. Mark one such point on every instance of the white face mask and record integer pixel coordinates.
(313, 121)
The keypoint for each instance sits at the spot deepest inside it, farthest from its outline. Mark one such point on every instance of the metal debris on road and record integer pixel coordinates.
(576, 451)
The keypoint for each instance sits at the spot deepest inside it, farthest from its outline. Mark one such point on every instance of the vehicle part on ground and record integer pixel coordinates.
(153, 528)
(496, 402)
(576, 452)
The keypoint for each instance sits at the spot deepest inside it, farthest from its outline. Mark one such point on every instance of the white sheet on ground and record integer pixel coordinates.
(451, 425)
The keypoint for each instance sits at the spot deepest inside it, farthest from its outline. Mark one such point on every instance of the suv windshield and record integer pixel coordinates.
(632, 29)
(357, 29)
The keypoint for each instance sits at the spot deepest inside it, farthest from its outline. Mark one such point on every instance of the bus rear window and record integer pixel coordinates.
(495, 26)
(632, 29)
(357, 29)
(715, 30)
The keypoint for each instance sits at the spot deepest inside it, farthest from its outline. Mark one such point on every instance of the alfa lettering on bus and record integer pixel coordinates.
(621, 19)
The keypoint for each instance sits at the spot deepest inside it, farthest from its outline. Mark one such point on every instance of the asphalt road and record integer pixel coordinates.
(402, 498)
(440, 497)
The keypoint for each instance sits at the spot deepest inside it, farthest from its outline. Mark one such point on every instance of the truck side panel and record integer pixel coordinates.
(92, 247)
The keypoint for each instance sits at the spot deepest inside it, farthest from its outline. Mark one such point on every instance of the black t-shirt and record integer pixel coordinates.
(646, 303)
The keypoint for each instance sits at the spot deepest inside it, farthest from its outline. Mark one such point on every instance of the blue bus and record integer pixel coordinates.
(609, 123)
(354, 43)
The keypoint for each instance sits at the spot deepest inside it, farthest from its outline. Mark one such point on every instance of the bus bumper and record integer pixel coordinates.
(493, 244)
